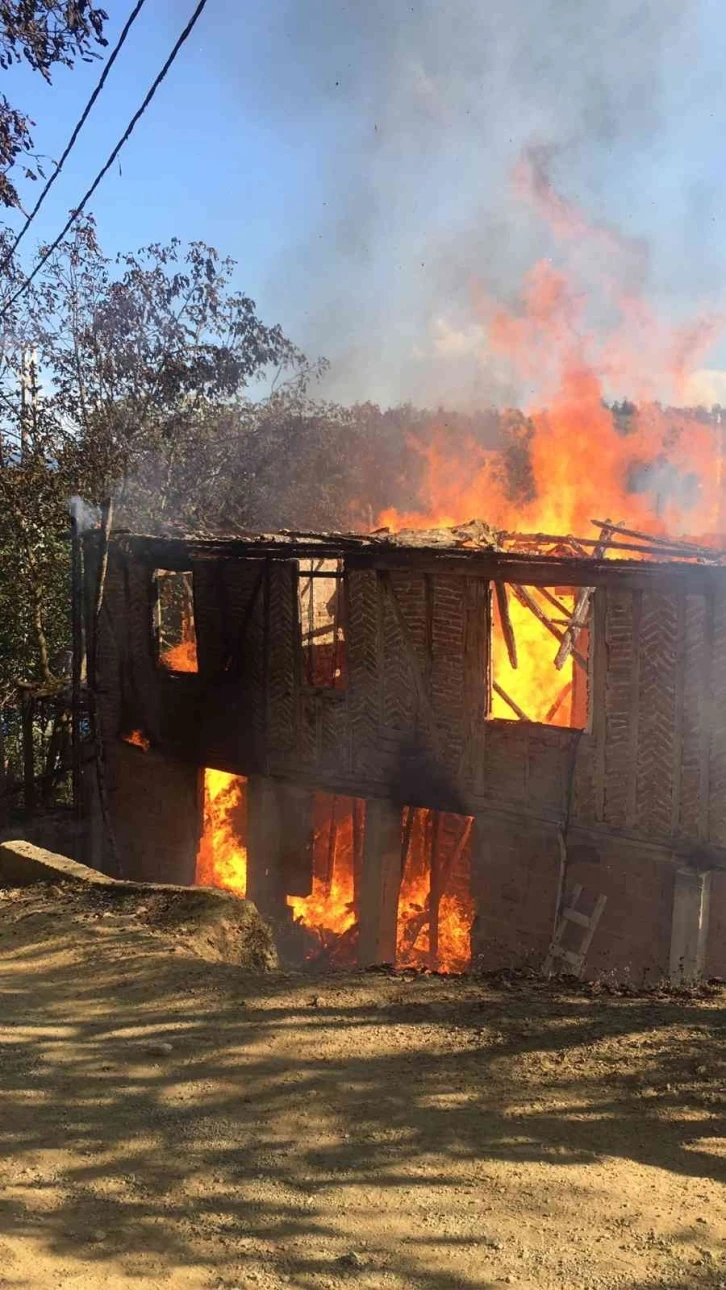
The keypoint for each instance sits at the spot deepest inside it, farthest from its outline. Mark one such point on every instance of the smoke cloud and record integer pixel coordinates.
(408, 125)
(85, 515)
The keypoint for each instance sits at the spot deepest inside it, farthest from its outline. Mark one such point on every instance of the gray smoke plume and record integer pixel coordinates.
(403, 122)
(86, 516)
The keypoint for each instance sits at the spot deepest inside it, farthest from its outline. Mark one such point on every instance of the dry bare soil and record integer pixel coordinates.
(169, 1120)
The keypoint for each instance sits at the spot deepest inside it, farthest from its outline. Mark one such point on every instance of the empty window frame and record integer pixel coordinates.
(540, 654)
(174, 626)
(321, 613)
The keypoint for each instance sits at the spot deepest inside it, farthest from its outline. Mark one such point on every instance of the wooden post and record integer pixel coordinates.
(359, 825)
(436, 891)
(332, 841)
(264, 846)
(295, 806)
(380, 883)
(505, 622)
(689, 928)
(94, 625)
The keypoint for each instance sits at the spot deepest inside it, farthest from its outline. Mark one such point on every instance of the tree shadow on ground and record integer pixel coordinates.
(280, 1114)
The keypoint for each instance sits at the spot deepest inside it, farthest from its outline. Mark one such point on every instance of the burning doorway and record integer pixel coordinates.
(222, 855)
(435, 909)
(435, 905)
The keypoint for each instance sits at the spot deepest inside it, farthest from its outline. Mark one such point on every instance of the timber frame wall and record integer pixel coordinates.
(642, 791)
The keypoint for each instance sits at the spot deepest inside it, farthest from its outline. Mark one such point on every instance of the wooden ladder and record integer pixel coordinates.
(574, 958)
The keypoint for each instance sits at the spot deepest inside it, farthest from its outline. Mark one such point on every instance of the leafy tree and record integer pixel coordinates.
(139, 350)
(41, 33)
(110, 373)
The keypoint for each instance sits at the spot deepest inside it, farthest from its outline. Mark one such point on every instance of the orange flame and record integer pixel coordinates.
(661, 472)
(138, 739)
(542, 693)
(329, 910)
(222, 854)
(582, 462)
(455, 912)
(181, 657)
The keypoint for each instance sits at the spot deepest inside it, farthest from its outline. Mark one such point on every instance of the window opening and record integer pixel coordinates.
(435, 905)
(322, 627)
(327, 915)
(222, 854)
(175, 627)
(540, 654)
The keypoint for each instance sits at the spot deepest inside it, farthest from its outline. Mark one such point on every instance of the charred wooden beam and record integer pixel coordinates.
(555, 707)
(579, 619)
(687, 548)
(526, 598)
(380, 883)
(556, 604)
(332, 842)
(264, 845)
(581, 609)
(519, 712)
(506, 622)
(436, 889)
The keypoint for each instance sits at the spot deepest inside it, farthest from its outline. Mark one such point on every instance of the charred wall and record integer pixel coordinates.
(411, 717)
(646, 779)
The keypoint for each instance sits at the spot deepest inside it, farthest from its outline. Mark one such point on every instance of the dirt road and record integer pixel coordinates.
(169, 1121)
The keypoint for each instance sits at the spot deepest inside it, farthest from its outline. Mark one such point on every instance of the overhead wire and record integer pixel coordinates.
(78, 210)
(76, 131)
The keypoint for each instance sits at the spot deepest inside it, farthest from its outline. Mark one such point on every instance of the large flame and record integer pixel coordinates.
(454, 912)
(540, 692)
(222, 855)
(658, 469)
(584, 464)
(329, 911)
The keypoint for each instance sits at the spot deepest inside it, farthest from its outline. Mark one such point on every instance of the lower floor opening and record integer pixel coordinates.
(319, 865)
(222, 854)
(435, 905)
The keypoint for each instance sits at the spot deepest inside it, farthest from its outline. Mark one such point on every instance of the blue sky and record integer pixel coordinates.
(356, 161)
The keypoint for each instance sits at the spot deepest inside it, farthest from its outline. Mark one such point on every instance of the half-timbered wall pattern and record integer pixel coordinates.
(651, 764)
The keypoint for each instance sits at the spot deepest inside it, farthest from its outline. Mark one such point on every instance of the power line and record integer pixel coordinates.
(108, 164)
(84, 117)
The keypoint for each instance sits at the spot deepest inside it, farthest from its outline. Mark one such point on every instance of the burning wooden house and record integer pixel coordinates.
(432, 748)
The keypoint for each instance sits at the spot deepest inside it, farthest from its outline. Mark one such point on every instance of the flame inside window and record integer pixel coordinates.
(435, 906)
(222, 855)
(540, 647)
(175, 627)
(329, 912)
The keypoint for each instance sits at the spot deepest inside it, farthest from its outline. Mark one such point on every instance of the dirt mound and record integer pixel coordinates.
(216, 925)
(212, 925)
